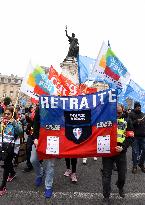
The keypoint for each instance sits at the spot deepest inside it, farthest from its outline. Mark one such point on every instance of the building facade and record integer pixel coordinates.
(9, 86)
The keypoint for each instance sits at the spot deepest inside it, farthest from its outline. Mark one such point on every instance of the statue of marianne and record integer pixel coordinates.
(74, 45)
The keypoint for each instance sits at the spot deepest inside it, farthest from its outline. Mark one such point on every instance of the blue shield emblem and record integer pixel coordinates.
(77, 132)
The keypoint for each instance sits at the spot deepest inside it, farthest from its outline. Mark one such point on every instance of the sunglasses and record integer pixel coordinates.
(119, 112)
(7, 113)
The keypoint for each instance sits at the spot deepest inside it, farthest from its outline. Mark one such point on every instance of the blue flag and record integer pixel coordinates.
(85, 67)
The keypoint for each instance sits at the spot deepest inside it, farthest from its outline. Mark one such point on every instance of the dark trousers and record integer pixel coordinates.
(8, 167)
(28, 151)
(107, 163)
(72, 162)
(138, 151)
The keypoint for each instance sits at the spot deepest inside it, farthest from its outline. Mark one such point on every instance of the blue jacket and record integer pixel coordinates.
(11, 132)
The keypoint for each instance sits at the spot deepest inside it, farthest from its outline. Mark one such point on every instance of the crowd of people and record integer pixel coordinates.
(17, 122)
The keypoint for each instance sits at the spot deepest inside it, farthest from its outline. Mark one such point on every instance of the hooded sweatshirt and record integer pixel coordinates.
(139, 127)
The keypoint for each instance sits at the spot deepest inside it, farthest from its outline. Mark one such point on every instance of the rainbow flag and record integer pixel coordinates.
(36, 83)
(111, 69)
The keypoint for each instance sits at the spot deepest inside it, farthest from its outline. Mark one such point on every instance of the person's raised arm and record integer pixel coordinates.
(66, 32)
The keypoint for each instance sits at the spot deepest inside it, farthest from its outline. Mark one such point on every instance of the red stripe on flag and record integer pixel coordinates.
(33, 100)
(39, 90)
(110, 73)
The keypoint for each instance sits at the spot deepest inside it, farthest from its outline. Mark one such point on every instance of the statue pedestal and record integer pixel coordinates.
(70, 69)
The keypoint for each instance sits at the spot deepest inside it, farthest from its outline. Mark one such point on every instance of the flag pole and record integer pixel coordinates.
(109, 44)
(97, 57)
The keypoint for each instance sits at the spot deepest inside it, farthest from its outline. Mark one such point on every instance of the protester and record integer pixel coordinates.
(123, 143)
(1, 109)
(39, 169)
(11, 131)
(71, 162)
(29, 131)
(18, 140)
(126, 118)
(138, 147)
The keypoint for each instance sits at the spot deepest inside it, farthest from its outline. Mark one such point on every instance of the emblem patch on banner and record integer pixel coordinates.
(77, 132)
(78, 125)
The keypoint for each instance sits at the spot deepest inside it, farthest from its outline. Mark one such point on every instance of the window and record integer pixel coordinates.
(9, 80)
(2, 80)
(16, 81)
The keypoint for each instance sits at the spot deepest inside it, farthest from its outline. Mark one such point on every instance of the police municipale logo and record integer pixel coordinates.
(77, 132)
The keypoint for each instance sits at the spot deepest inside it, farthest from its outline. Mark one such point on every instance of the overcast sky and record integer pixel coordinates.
(35, 30)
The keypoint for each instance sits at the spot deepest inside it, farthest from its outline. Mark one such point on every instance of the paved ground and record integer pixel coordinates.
(86, 192)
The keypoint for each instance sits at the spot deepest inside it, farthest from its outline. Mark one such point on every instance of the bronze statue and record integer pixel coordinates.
(74, 45)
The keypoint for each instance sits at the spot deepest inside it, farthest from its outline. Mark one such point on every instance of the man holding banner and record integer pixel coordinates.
(48, 164)
(84, 126)
(124, 140)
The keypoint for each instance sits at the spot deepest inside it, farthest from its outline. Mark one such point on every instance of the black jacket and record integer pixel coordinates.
(29, 125)
(139, 127)
(36, 124)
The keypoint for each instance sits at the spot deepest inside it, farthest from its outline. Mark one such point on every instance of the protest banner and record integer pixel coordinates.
(65, 87)
(110, 69)
(134, 92)
(78, 126)
(36, 83)
(85, 68)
